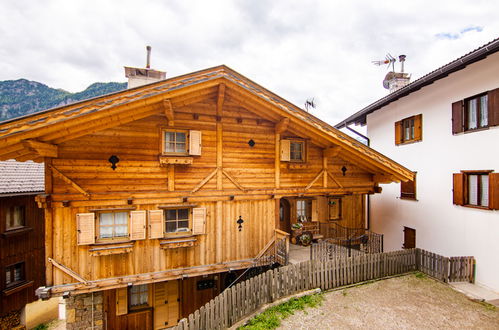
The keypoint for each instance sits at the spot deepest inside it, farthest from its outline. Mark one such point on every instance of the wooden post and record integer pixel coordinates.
(49, 268)
(218, 226)
(324, 167)
(220, 101)
(277, 164)
(171, 177)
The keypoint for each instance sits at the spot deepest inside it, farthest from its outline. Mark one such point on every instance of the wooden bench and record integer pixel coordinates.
(313, 227)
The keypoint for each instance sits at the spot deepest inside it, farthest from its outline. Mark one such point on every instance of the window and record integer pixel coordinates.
(304, 210)
(334, 204)
(180, 142)
(14, 274)
(476, 112)
(15, 217)
(408, 130)
(476, 189)
(113, 225)
(409, 238)
(138, 296)
(177, 220)
(408, 189)
(293, 150)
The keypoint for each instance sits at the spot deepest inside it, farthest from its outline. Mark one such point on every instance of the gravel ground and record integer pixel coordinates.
(406, 302)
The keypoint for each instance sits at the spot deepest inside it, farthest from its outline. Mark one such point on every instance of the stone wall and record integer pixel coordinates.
(11, 320)
(79, 311)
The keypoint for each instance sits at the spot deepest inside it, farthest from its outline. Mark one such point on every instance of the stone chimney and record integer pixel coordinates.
(143, 76)
(396, 80)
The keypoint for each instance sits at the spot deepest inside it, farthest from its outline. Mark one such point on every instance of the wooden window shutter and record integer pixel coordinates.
(121, 301)
(458, 188)
(285, 150)
(156, 224)
(494, 191)
(493, 107)
(173, 302)
(195, 143)
(198, 220)
(161, 316)
(399, 133)
(315, 210)
(408, 189)
(418, 127)
(137, 225)
(85, 225)
(457, 117)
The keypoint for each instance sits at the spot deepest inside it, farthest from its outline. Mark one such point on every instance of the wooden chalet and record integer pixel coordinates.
(157, 195)
(22, 265)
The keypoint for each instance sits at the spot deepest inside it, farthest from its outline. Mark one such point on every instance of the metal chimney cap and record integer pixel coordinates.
(402, 58)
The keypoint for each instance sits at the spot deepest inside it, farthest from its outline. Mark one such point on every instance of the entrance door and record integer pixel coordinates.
(409, 238)
(166, 305)
(284, 215)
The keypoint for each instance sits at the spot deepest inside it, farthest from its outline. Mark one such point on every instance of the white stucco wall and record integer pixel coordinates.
(441, 227)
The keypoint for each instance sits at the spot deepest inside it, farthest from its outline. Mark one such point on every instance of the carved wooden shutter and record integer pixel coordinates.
(137, 225)
(121, 301)
(85, 225)
(195, 143)
(493, 107)
(494, 191)
(161, 306)
(418, 127)
(156, 224)
(458, 188)
(285, 150)
(198, 220)
(398, 133)
(457, 117)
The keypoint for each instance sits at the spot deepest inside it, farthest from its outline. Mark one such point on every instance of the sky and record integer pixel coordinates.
(297, 49)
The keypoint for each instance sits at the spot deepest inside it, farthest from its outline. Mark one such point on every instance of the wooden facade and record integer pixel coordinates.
(21, 252)
(146, 186)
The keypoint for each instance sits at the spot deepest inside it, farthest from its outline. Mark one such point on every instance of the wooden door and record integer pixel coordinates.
(166, 304)
(284, 215)
(409, 238)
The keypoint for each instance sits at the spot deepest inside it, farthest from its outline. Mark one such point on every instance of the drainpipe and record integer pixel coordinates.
(368, 197)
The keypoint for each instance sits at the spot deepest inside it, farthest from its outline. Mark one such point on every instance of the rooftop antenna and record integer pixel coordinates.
(309, 103)
(148, 61)
(389, 60)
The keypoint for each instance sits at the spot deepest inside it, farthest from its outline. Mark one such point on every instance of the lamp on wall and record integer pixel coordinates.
(240, 223)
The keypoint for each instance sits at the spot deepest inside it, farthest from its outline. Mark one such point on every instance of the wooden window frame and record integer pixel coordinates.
(143, 306)
(112, 239)
(461, 185)
(415, 124)
(164, 130)
(11, 210)
(406, 189)
(181, 233)
(303, 144)
(308, 209)
(466, 101)
(339, 201)
(479, 183)
(12, 268)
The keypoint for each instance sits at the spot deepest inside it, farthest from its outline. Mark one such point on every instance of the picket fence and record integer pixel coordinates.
(244, 298)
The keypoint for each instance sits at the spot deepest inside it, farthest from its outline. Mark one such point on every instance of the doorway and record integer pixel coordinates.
(284, 215)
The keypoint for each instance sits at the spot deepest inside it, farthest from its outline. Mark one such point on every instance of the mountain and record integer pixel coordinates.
(22, 97)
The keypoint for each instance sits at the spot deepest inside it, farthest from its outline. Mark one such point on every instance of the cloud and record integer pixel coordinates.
(453, 36)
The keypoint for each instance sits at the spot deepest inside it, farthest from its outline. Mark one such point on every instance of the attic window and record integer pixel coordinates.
(180, 142)
(293, 150)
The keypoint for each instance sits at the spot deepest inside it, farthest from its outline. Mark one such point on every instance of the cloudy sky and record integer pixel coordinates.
(298, 49)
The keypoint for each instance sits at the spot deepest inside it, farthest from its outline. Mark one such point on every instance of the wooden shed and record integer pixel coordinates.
(157, 195)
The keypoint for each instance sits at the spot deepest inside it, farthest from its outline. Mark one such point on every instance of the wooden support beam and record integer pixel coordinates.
(205, 180)
(322, 172)
(167, 104)
(334, 179)
(171, 177)
(68, 180)
(324, 167)
(220, 102)
(220, 99)
(43, 149)
(332, 151)
(282, 125)
(233, 180)
(68, 271)
(277, 161)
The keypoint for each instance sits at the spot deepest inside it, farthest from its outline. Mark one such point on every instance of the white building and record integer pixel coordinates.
(444, 127)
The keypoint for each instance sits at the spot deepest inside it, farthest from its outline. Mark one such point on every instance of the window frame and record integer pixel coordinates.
(163, 132)
(307, 209)
(100, 239)
(466, 102)
(303, 151)
(414, 124)
(142, 306)
(467, 175)
(11, 267)
(404, 194)
(10, 212)
(339, 202)
(180, 233)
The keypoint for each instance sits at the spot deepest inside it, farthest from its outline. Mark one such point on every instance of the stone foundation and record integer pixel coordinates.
(79, 311)
(11, 321)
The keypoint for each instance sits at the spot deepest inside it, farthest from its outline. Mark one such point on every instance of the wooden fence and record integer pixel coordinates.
(246, 297)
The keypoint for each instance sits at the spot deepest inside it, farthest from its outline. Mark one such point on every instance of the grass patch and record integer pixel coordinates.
(420, 275)
(271, 318)
(42, 326)
(487, 306)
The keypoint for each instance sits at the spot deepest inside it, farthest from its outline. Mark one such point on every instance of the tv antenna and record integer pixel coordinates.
(310, 103)
(389, 61)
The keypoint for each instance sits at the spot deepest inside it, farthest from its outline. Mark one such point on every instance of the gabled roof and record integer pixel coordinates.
(21, 177)
(442, 72)
(33, 136)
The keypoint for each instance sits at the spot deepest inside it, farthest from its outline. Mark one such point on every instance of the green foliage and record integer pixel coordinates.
(22, 97)
(420, 275)
(271, 318)
(42, 326)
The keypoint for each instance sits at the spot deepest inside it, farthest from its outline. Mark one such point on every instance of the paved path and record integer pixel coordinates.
(298, 253)
(477, 292)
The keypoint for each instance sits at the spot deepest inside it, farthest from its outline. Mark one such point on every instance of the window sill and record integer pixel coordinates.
(175, 160)
(16, 232)
(177, 242)
(105, 249)
(409, 198)
(19, 287)
(298, 166)
(409, 142)
(477, 207)
(476, 129)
